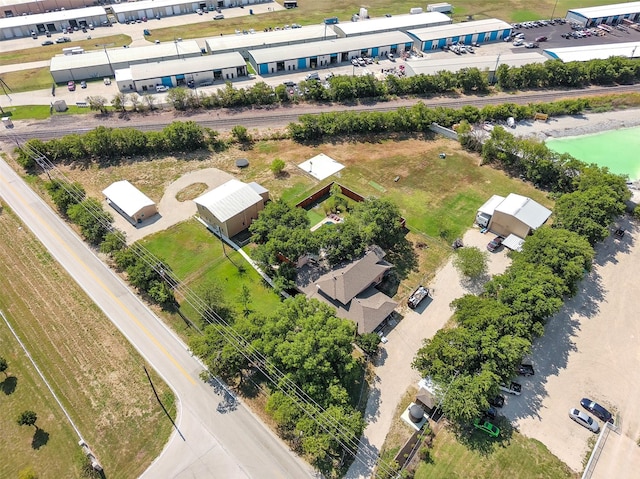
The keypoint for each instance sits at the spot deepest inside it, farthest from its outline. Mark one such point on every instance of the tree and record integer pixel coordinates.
(471, 262)
(4, 365)
(149, 100)
(241, 134)
(134, 98)
(379, 222)
(277, 213)
(214, 302)
(94, 222)
(119, 101)
(277, 165)
(65, 194)
(97, 103)
(27, 418)
(369, 343)
(179, 98)
(27, 473)
(245, 299)
(113, 241)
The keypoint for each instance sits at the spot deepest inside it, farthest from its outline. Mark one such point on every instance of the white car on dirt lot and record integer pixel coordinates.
(584, 419)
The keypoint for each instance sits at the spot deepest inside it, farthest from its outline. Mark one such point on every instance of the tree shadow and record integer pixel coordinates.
(40, 438)
(9, 385)
(480, 441)
(404, 258)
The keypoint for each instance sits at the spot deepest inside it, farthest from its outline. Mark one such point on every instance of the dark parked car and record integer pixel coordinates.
(497, 401)
(495, 243)
(541, 39)
(597, 410)
(47, 42)
(526, 370)
(491, 413)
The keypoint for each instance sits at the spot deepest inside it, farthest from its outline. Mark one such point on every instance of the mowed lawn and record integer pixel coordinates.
(518, 457)
(197, 258)
(97, 374)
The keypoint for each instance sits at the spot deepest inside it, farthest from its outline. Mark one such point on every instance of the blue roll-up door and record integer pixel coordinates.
(506, 33)
(263, 68)
(455, 39)
(374, 51)
(302, 63)
(179, 77)
(442, 42)
(493, 36)
(166, 81)
(428, 45)
(481, 37)
(468, 39)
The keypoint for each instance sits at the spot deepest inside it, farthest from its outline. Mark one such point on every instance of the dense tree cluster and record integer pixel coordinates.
(110, 145)
(282, 234)
(306, 343)
(494, 331)
(418, 118)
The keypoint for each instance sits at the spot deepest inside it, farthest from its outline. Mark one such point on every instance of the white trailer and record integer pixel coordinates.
(440, 7)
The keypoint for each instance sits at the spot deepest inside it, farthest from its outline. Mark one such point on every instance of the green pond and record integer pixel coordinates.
(618, 150)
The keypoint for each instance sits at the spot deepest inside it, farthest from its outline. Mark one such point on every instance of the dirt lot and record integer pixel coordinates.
(589, 349)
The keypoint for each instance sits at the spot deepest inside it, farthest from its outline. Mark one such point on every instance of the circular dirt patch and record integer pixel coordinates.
(191, 192)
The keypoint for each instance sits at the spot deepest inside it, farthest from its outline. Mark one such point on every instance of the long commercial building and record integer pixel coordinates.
(329, 52)
(594, 52)
(481, 31)
(14, 8)
(127, 11)
(205, 70)
(103, 63)
(397, 23)
(22, 26)
(242, 43)
(611, 14)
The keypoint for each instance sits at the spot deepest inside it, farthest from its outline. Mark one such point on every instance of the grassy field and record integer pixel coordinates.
(438, 197)
(28, 80)
(515, 457)
(40, 53)
(310, 13)
(93, 369)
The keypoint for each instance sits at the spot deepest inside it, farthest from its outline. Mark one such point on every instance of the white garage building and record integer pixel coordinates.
(231, 207)
(396, 23)
(611, 14)
(54, 22)
(514, 215)
(593, 52)
(481, 31)
(129, 201)
(203, 70)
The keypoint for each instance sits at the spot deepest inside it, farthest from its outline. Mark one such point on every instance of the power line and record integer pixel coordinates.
(281, 381)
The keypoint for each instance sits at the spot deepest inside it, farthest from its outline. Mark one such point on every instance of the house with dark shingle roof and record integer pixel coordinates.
(350, 288)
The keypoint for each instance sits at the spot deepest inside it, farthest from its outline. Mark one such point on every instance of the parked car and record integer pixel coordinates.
(517, 43)
(531, 45)
(47, 42)
(107, 80)
(597, 410)
(541, 39)
(219, 16)
(487, 427)
(71, 85)
(83, 84)
(526, 370)
(495, 243)
(161, 88)
(584, 420)
(491, 413)
(289, 83)
(513, 388)
(497, 401)
(63, 40)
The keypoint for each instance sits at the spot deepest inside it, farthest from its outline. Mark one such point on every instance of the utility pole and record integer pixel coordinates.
(104, 46)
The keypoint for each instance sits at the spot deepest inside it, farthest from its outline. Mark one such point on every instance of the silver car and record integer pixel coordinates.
(584, 420)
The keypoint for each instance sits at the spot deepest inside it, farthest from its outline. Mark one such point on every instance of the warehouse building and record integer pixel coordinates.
(279, 38)
(454, 63)
(104, 63)
(610, 14)
(328, 52)
(593, 52)
(396, 23)
(231, 207)
(480, 31)
(200, 71)
(127, 11)
(14, 8)
(514, 215)
(54, 22)
(129, 201)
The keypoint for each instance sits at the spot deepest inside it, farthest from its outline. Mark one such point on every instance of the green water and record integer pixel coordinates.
(618, 150)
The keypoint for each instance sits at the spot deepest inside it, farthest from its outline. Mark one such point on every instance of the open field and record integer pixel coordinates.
(28, 80)
(310, 13)
(96, 373)
(517, 456)
(40, 52)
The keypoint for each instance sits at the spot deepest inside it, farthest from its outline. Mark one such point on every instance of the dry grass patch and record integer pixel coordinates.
(191, 192)
(96, 372)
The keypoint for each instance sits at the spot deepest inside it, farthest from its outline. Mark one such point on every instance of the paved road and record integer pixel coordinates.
(208, 444)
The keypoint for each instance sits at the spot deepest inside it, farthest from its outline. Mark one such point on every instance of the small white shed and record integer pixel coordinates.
(129, 201)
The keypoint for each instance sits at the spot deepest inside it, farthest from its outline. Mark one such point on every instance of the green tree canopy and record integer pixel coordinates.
(27, 418)
(471, 262)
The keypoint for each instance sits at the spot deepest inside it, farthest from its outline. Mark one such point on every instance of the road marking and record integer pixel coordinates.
(102, 285)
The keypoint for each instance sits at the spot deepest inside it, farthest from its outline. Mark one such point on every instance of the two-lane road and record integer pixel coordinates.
(209, 444)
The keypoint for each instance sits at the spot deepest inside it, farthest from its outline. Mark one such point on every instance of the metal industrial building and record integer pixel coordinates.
(231, 207)
(454, 63)
(328, 52)
(610, 14)
(22, 26)
(399, 23)
(103, 63)
(515, 214)
(126, 11)
(205, 70)
(14, 8)
(129, 201)
(481, 31)
(594, 52)
(243, 43)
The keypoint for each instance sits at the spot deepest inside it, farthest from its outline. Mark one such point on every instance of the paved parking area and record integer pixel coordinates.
(590, 349)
